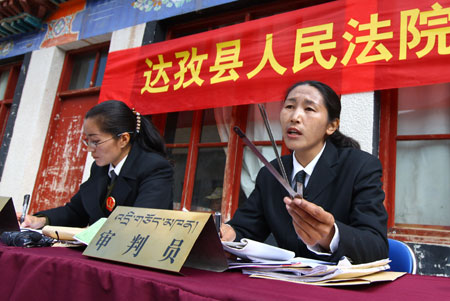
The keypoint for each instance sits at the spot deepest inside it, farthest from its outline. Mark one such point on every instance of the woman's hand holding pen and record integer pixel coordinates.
(30, 221)
(227, 233)
(312, 223)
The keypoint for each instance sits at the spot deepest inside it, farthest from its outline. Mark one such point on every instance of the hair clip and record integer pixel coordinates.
(138, 121)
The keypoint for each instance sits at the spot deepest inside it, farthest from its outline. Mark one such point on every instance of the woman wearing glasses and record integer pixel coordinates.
(130, 169)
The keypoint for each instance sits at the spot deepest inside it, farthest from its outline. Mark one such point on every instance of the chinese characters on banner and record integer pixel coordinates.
(354, 46)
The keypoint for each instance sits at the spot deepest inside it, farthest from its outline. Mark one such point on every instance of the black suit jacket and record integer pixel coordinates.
(145, 180)
(345, 182)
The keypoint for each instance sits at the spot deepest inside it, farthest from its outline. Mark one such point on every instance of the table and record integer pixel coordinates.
(65, 274)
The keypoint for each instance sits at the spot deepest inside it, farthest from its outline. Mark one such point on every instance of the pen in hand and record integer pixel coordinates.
(25, 207)
(218, 221)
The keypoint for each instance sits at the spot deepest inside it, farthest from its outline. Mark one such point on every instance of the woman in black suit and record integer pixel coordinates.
(341, 212)
(130, 169)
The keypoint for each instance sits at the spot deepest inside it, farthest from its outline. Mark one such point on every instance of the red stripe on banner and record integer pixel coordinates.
(353, 46)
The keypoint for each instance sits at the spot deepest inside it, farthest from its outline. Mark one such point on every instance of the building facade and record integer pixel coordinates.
(52, 73)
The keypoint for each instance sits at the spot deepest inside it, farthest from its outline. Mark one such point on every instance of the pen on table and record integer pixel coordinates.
(217, 221)
(25, 206)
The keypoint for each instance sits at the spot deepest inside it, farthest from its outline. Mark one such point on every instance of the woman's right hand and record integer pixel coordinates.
(227, 233)
(31, 221)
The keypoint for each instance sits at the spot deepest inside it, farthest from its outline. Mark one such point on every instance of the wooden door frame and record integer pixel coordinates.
(63, 92)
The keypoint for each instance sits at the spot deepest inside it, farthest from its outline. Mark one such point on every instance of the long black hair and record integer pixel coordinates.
(333, 105)
(115, 117)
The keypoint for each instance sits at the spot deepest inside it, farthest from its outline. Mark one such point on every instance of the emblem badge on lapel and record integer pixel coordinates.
(110, 203)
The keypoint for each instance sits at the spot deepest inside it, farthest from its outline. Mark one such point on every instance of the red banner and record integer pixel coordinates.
(353, 45)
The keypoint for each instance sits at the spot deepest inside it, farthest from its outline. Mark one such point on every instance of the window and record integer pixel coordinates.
(415, 152)
(88, 69)
(195, 146)
(8, 80)
(213, 170)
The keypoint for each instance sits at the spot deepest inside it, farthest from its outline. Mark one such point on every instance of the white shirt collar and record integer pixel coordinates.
(308, 169)
(117, 168)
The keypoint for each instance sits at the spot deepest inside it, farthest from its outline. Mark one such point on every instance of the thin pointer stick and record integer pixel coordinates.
(263, 112)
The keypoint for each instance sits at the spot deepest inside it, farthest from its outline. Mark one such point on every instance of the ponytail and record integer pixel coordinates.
(340, 140)
(149, 138)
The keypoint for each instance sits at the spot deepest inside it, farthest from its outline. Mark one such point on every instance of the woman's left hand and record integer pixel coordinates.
(312, 223)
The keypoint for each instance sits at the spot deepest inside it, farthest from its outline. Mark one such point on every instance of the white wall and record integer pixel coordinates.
(127, 38)
(31, 124)
(357, 118)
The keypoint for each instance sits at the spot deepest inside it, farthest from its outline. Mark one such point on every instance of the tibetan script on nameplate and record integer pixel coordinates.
(154, 238)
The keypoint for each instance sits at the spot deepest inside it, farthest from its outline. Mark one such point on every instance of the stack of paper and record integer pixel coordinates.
(260, 260)
(319, 273)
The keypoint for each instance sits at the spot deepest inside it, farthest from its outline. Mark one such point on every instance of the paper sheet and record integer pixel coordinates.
(257, 251)
(87, 235)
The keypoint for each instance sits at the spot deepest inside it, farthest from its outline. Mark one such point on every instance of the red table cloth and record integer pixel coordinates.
(65, 274)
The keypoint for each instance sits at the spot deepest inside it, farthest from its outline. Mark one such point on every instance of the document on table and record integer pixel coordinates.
(327, 274)
(261, 260)
(31, 229)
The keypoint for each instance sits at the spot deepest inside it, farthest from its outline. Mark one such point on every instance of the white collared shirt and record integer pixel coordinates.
(309, 170)
(118, 167)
